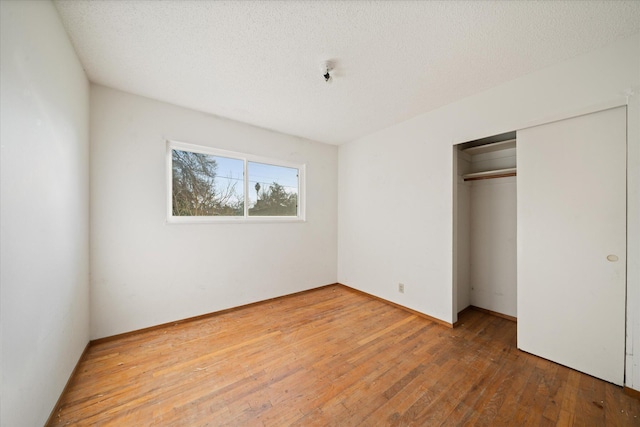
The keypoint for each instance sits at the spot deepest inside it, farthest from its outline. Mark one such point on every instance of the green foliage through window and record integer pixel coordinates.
(275, 201)
(209, 185)
(276, 190)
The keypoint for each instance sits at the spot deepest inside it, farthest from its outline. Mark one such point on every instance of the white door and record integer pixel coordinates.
(572, 242)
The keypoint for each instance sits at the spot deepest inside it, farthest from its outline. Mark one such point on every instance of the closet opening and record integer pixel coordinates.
(484, 220)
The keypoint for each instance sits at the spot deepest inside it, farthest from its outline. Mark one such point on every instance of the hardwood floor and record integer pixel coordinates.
(333, 356)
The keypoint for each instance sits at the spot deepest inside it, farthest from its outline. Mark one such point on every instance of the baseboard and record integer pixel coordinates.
(56, 407)
(491, 312)
(200, 317)
(631, 392)
(417, 313)
(460, 313)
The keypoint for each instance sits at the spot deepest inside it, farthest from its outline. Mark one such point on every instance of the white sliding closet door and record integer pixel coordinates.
(572, 242)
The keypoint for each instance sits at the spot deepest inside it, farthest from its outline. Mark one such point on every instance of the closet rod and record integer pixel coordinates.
(490, 177)
(501, 173)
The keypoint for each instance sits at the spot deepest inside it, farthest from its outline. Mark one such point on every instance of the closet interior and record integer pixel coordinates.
(486, 212)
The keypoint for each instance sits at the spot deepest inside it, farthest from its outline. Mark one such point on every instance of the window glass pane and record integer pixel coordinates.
(206, 185)
(273, 190)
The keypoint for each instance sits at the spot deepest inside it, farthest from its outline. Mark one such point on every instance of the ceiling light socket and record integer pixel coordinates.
(327, 68)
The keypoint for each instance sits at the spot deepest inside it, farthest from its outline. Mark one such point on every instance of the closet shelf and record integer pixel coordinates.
(499, 173)
(488, 148)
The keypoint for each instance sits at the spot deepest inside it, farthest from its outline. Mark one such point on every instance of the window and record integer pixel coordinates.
(209, 185)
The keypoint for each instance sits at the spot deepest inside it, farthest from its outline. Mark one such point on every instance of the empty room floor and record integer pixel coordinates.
(332, 356)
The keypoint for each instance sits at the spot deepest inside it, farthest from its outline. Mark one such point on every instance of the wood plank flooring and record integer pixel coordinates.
(333, 357)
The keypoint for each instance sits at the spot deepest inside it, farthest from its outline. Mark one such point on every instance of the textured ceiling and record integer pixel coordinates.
(260, 62)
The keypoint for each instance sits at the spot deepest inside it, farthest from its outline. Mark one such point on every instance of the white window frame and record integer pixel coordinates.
(246, 158)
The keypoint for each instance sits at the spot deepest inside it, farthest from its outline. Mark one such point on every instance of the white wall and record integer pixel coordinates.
(146, 272)
(396, 186)
(44, 211)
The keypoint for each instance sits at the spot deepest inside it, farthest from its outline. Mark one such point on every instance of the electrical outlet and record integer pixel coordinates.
(401, 288)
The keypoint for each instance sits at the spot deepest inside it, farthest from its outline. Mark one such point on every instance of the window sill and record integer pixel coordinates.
(230, 220)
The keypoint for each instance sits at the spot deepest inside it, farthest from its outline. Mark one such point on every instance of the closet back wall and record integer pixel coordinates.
(486, 229)
(145, 272)
(493, 252)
